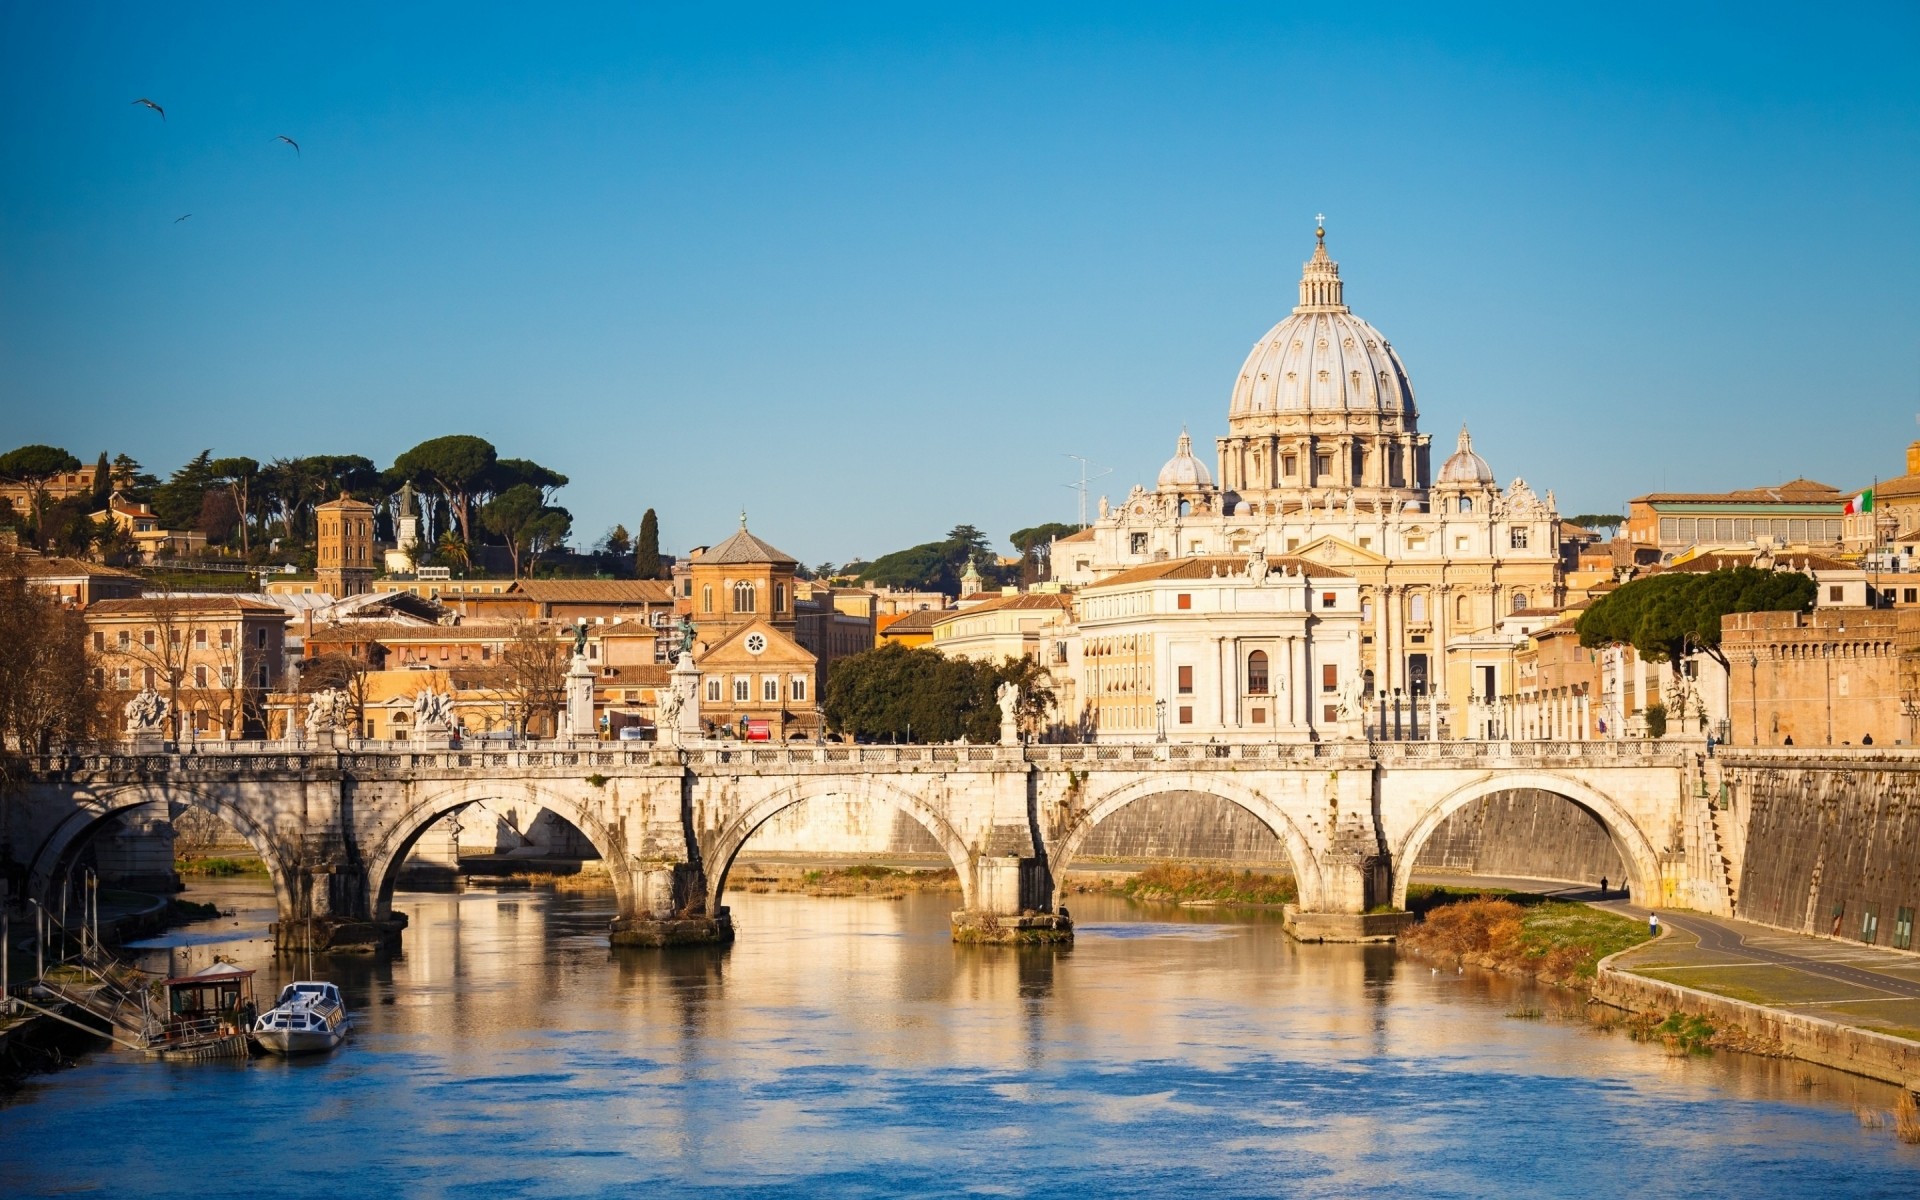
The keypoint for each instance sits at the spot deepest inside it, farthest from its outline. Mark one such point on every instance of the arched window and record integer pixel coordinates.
(706, 598)
(743, 596)
(1257, 673)
(1519, 601)
(1461, 610)
(1417, 607)
(1466, 504)
(779, 597)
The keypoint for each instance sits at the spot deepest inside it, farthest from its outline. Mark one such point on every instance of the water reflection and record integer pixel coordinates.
(846, 1046)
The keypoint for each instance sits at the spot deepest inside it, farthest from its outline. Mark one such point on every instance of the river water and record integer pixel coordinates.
(844, 1047)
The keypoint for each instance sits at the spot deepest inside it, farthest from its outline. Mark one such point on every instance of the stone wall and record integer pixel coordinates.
(844, 827)
(1532, 834)
(1185, 825)
(1813, 1039)
(1827, 843)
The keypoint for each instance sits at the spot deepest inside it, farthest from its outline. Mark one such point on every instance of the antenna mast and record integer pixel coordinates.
(1081, 485)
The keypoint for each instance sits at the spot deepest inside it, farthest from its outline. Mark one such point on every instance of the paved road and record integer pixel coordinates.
(1730, 937)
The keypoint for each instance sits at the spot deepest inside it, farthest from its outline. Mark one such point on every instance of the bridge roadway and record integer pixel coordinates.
(334, 825)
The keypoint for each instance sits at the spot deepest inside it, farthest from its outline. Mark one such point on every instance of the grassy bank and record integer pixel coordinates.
(1176, 884)
(861, 879)
(1549, 940)
(219, 868)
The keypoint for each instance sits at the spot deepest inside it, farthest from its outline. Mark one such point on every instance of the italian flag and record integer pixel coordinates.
(1863, 503)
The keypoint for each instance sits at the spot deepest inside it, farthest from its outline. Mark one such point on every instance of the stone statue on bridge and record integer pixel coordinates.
(146, 713)
(432, 712)
(327, 711)
(1009, 698)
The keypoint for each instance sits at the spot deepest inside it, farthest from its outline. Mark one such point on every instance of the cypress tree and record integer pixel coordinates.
(646, 553)
(102, 482)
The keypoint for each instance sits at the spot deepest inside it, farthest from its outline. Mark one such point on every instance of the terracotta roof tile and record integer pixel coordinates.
(595, 591)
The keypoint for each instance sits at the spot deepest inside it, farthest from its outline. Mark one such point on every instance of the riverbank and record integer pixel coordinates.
(1556, 942)
(1851, 1008)
(872, 880)
(1191, 886)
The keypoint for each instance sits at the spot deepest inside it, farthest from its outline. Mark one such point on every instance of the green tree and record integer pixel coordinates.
(132, 480)
(1596, 521)
(177, 501)
(900, 694)
(646, 551)
(527, 524)
(102, 484)
(1668, 616)
(1035, 545)
(238, 475)
(510, 472)
(618, 543)
(458, 465)
(33, 465)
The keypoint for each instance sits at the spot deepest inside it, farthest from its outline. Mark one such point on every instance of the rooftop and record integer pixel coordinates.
(1218, 566)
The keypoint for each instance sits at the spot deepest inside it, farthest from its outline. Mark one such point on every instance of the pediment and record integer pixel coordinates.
(1337, 553)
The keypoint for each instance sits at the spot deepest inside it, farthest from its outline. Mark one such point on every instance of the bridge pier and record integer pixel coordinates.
(664, 904)
(331, 910)
(1012, 905)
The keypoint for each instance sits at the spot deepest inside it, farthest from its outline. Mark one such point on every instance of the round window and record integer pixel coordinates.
(756, 643)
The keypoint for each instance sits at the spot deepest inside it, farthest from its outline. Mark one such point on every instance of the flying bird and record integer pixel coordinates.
(155, 107)
(281, 137)
(181, 217)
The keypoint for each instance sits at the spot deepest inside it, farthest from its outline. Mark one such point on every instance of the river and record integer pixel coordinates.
(844, 1047)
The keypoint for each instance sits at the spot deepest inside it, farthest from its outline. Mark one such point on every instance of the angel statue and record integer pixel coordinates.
(146, 712)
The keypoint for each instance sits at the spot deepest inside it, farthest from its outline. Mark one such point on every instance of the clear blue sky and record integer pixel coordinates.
(873, 272)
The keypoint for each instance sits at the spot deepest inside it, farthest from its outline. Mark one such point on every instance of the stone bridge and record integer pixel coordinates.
(334, 826)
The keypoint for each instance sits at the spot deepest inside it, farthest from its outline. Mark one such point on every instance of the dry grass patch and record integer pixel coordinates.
(1176, 883)
(1553, 941)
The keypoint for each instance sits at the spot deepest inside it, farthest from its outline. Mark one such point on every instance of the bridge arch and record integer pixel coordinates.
(1306, 865)
(94, 810)
(386, 853)
(1642, 863)
(727, 844)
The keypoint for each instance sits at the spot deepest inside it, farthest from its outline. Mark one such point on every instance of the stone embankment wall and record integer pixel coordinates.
(1827, 844)
(1812, 1039)
(1186, 825)
(1528, 833)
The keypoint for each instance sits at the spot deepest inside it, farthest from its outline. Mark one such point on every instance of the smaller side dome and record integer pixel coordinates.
(1464, 466)
(1183, 470)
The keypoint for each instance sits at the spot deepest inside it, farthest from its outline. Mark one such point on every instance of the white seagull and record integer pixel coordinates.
(155, 107)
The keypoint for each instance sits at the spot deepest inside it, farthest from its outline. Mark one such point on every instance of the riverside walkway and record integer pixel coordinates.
(1844, 982)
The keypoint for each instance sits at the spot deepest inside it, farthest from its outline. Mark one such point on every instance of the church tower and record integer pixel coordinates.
(344, 550)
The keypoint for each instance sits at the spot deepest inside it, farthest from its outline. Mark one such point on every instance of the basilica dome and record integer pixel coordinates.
(1322, 358)
(1463, 465)
(1183, 471)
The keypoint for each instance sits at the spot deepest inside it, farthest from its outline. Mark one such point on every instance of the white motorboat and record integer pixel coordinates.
(308, 1018)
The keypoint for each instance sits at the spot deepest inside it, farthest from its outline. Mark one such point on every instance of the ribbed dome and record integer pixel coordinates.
(1322, 357)
(1464, 466)
(1183, 470)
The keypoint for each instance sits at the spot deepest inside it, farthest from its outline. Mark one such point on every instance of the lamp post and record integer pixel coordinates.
(1753, 693)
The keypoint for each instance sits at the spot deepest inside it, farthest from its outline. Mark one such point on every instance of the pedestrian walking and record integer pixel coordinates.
(1653, 924)
(1603, 887)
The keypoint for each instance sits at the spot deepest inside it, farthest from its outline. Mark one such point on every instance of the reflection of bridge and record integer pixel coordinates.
(335, 827)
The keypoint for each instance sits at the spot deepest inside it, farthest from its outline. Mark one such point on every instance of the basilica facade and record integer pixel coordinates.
(1324, 486)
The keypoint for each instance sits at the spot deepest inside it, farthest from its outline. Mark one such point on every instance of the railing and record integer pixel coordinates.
(257, 759)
